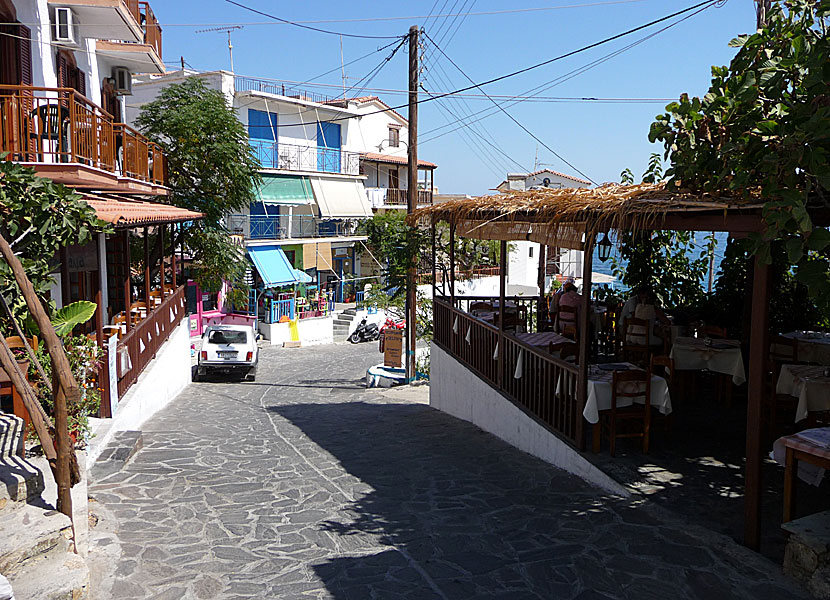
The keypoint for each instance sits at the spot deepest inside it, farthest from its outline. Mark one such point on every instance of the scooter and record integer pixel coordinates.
(364, 332)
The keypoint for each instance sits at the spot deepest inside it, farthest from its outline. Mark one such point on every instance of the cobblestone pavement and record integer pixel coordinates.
(305, 484)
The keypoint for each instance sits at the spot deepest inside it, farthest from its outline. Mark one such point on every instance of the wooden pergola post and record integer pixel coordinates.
(160, 242)
(104, 408)
(128, 288)
(541, 308)
(502, 294)
(147, 267)
(584, 337)
(173, 253)
(434, 280)
(758, 349)
(452, 264)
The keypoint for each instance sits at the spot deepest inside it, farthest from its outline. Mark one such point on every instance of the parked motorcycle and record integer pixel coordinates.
(364, 332)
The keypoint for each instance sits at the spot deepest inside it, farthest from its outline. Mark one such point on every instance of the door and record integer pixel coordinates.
(262, 135)
(328, 152)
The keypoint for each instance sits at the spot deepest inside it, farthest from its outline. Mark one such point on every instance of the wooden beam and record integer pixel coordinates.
(452, 265)
(434, 257)
(147, 268)
(584, 339)
(173, 253)
(160, 241)
(758, 350)
(502, 312)
(541, 308)
(128, 287)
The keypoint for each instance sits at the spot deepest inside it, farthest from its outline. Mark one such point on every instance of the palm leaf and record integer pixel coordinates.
(65, 319)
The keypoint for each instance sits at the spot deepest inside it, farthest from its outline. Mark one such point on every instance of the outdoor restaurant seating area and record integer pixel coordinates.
(646, 396)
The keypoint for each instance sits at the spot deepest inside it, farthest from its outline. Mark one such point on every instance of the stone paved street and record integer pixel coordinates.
(305, 484)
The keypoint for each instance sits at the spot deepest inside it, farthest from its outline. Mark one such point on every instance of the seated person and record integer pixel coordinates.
(571, 298)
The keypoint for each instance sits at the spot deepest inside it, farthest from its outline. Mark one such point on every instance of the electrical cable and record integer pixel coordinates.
(309, 27)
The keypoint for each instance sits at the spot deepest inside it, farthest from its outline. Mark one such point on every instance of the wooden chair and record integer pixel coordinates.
(567, 315)
(568, 352)
(571, 332)
(18, 407)
(481, 307)
(630, 384)
(16, 342)
(783, 350)
(635, 351)
(512, 322)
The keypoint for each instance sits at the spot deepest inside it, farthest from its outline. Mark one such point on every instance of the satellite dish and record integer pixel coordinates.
(546, 181)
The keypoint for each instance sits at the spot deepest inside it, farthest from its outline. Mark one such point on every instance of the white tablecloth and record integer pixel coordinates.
(599, 394)
(812, 347)
(808, 384)
(542, 339)
(724, 356)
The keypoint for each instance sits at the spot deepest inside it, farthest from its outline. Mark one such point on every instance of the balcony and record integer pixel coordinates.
(106, 19)
(69, 139)
(251, 84)
(288, 157)
(262, 227)
(143, 56)
(395, 198)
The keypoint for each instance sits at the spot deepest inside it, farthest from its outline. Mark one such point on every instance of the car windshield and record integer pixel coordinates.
(227, 337)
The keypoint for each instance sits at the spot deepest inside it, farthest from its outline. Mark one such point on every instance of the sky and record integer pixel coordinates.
(597, 138)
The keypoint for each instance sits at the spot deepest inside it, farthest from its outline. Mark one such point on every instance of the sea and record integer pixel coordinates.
(700, 243)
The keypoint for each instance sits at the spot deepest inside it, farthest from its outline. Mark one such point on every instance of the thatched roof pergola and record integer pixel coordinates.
(575, 217)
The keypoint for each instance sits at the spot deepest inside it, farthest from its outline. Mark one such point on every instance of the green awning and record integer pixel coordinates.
(285, 190)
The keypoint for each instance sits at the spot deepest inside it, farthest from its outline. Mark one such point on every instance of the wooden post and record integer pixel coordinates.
(160, 242)
(584, 337)
(541, 308)
(173, 253)
(104, 379)
(412, 199)
(434, 271)
(758, 349)
(147, 268)
(67, 391)
(502, 312)
(128, 287)
(452, 264)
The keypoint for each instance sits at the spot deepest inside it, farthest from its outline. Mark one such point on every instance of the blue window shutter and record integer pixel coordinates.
(262, 125)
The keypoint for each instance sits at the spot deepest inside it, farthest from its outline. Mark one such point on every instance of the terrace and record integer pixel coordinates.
(70, 139)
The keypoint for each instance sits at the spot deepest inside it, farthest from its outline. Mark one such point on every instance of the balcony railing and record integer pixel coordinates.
(151, 27)
(251, 84)
(262, 227)
(379, 197)
(60, 126)
(289, 157)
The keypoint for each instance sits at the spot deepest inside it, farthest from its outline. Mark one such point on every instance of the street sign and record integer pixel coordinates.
(392, 347)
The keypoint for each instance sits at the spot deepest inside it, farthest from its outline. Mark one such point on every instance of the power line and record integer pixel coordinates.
(351, 62)
(309, 27)
(511, 117)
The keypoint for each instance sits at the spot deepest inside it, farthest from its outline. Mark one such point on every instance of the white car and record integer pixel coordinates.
(229, 349)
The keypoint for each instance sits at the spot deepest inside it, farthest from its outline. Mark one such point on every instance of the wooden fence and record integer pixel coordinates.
(144, 340)
(541, 384)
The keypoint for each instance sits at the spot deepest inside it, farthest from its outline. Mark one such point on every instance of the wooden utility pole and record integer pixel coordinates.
(412, 199)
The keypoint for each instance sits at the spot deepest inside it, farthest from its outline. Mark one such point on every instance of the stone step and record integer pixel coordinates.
(20, 482)
(31, 534)
(64, 577)
(11, 435)
(342, 322)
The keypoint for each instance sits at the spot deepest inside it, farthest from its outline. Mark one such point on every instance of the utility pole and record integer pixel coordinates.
(342, 68)
(412, 199)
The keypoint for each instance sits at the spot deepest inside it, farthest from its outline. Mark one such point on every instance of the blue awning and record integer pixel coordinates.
(273, 266)
(302, 276)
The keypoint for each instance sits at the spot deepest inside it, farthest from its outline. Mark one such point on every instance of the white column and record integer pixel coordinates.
(102, 273)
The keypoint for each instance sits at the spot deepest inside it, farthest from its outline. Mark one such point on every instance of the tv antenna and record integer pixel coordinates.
(227, 30)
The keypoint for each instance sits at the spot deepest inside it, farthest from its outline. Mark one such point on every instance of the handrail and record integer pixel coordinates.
(294, 157)
(542, 385)
(144, 340)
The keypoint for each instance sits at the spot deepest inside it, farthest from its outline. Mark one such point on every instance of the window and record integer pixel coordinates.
(394, 137)
(262, 125)
(227, 336)
(394, 180)
(530, 252)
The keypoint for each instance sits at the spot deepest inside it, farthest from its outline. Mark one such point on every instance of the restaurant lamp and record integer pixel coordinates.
(604, 248)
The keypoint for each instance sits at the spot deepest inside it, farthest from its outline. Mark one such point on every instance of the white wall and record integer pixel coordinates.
(523, 268)
(312, 332)
(35, 14)
(455, 390)
(164, 378)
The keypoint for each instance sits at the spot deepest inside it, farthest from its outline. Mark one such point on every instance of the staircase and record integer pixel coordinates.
(35, 541)
(342, 322)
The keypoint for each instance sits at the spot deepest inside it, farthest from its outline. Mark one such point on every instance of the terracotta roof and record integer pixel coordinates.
(126, 212)
(398, 160)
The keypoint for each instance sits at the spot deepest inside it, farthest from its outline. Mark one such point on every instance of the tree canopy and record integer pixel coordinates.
(763, 129)
(211, 169)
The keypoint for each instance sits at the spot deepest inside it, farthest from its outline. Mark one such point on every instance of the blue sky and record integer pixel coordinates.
(600, 139)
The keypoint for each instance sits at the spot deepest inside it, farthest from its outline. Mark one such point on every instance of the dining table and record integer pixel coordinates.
(809, 383)
(813, 346)
(543, 339)
(717, 355)
(600, 378)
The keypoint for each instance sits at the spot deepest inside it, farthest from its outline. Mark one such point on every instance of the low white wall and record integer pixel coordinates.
(167, 375)
(312, 332)
(457, 391)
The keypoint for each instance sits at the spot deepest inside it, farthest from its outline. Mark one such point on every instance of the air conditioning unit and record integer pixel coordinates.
(65, 26)
(122, 81)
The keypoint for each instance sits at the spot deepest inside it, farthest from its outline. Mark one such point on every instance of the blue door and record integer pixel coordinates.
(328, 142)
(262, 133)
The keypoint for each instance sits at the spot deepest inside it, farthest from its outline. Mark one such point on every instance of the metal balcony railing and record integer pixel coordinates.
(251, 84)
(262, 227)
(60, 126)
(290, 157)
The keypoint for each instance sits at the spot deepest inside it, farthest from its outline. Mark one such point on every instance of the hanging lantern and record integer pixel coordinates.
(604, 248)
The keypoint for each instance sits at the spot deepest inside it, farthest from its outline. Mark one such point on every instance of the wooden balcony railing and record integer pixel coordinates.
(144, 340)
(60, 126)
(542, 385)
(397, 197)
(152, 29)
